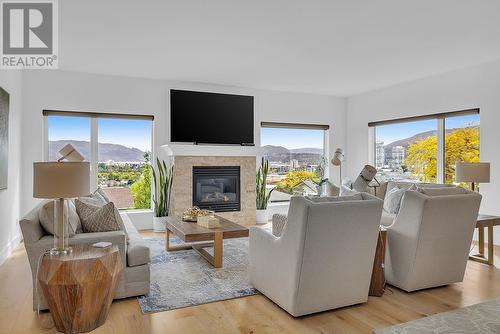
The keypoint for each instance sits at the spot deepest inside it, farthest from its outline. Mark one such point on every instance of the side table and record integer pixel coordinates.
(485, 221)
(377, 284)
(79, 287)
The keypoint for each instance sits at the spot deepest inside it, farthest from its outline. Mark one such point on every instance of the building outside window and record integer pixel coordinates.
(296, 155)
(426, 149)
(119, 151)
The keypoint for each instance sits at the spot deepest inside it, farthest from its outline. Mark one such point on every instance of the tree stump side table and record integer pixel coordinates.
(377, 284)
(79, 287)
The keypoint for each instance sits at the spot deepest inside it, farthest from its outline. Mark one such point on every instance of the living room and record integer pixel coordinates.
(336, 89)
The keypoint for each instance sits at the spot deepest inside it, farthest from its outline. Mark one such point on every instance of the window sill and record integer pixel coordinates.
(135, 210)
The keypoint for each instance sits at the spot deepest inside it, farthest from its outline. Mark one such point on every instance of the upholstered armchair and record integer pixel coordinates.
(430, 238)
(324, 257)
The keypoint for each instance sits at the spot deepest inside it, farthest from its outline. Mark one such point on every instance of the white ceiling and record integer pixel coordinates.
(330, 47)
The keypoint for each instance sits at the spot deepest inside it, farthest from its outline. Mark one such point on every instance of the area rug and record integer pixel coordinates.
(481, 318)
(184, 278)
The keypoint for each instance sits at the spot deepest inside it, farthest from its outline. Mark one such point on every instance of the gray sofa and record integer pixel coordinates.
(134, 254)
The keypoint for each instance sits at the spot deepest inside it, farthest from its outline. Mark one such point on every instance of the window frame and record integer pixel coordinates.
(440, 119)
(94, 139)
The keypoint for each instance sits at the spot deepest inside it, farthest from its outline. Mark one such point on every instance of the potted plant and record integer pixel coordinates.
(262, 195)
(322, 184)
(163, 179)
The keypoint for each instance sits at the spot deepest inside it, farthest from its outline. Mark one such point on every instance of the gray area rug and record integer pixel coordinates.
(481, 318)
(184, 278)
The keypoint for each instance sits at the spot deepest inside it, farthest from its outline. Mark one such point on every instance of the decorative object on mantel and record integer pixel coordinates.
(262, 195)
(193, 213)
(60, 180)
(322, 187)
(473, 172)
(163, 180)
(338, 158)
(208, 221)
(4, 138)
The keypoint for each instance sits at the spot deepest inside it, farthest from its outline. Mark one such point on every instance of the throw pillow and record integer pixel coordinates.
(98, 203)
(99, 193)
(392, 200)
(345, 191)
(97, 219)
(46, 217)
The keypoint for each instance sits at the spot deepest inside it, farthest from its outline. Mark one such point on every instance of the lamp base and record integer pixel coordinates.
(60, 252)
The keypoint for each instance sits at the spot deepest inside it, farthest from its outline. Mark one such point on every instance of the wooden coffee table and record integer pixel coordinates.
(191, 232)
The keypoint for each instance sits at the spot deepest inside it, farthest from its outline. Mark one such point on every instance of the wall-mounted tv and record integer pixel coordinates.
(211, 118)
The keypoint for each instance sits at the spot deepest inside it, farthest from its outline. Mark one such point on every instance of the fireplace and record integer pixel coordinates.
(217, 188)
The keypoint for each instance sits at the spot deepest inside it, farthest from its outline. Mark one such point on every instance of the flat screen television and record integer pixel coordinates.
(211, 118)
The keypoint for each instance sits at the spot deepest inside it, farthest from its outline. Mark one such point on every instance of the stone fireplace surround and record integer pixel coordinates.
(186, 156)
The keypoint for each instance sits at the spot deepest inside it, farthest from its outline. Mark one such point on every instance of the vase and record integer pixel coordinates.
(159, 223)
(262, 216)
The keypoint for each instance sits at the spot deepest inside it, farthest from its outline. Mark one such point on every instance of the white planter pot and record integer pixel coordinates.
(262, 216)
(159, 224)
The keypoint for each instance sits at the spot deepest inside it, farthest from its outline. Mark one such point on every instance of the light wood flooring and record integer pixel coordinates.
(255, 314)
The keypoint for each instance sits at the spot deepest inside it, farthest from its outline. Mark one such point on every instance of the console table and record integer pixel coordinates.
(79, 287)
(485, 221)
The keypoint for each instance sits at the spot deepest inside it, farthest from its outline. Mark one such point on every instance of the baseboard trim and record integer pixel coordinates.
(9, 248)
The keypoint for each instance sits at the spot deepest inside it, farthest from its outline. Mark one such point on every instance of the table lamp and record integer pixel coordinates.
(58, 181)
(474, 172)
(338, 157)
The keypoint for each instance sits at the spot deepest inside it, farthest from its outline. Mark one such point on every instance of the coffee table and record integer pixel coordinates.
(193, 234)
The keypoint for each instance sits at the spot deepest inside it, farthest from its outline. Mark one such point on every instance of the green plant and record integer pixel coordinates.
(163, 179)
(263, 196)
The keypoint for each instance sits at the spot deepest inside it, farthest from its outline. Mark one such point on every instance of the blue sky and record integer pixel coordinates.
(393, 132)
(291, 138)
(129, 133)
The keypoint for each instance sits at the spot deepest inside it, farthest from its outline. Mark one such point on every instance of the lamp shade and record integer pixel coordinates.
(61, 179)
(338, 156)
(472, 172)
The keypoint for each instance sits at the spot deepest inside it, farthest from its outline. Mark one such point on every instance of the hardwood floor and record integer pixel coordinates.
(255, 314)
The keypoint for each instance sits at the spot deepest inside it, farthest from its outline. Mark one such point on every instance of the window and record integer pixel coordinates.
(119, 150)
(426, 149)
(461, 142)
(297, 158)
(407, 151)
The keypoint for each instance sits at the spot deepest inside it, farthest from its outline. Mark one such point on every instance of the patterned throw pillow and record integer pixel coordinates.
(392, 200)
(97, 219)
(97, 202)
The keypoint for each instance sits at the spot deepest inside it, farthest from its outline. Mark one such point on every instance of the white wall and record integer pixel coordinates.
(61, 90)
(10, 81)
(475, 87)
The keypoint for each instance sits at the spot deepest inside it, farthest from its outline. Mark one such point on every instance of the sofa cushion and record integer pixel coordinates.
(137, 249)
(46, 218)
(97, 218)
(346, 191)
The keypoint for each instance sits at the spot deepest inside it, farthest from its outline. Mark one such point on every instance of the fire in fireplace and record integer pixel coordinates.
(217, 188)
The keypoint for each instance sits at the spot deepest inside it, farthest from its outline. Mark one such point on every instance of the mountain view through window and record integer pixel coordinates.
(294, 156)
(123, 151)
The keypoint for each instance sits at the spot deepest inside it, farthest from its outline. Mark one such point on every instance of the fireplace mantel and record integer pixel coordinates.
(210, 150)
